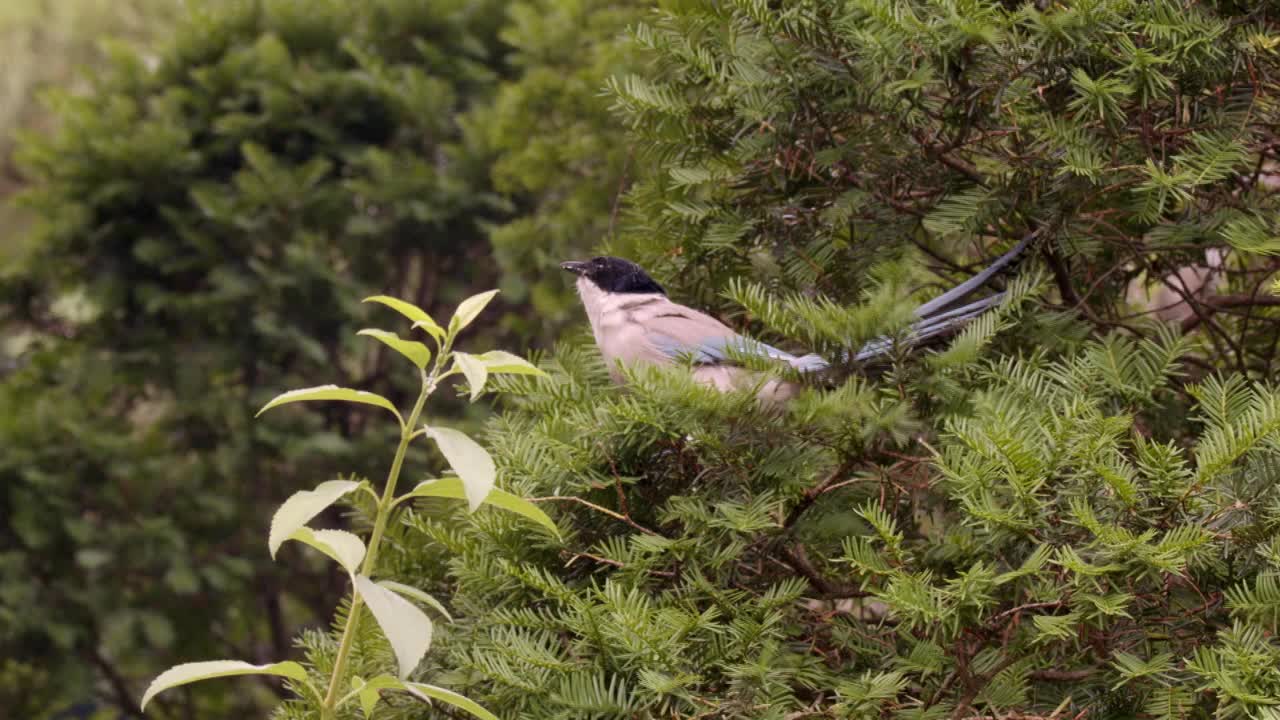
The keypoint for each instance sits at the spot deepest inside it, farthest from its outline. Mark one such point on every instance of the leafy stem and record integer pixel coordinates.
(385, 506)
(406, 627)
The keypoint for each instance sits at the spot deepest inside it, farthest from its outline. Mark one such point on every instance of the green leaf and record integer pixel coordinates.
(407, 628)
(367, 691)
(303, 505)
(468, 310)
(414, 593)
(331, 392)
(419, 316)
(419, 690)
(471, 462)
(453, 488)
(344, 547)
(450, 697)
(368, 695)
(501, 361)
(193, 672)
(474, 369)
(417, 353)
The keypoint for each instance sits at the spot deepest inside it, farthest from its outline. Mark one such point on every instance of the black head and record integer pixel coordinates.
(614, 275)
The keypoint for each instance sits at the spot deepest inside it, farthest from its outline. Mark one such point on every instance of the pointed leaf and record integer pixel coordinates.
(414, 593)
(450, 697)
(303, 505)
(367, 691)
(407, 628)
(501, 361)
(452, 488)
(431, 327)
(470, 461)
(344, 547)
(368, 695)
(468, 310)
(331, 392)
(419, 316)
(192, 672)
(475, 371)
(417, 353)
(368, 700)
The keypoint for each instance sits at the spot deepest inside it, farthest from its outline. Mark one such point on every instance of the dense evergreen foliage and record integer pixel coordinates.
(1070, 508)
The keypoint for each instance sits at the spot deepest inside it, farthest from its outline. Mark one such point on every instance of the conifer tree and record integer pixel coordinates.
(1068, 509)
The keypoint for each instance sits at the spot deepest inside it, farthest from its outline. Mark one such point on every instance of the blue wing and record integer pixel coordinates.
(723, 350)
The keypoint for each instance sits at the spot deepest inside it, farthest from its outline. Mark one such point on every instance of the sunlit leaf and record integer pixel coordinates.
(407, 628)
(453, 488)
(414, 593)
(501, 361)
(344, 547)
(331, 392)
(420, 690)
(193, 672)
(474, 369)
(471, 462)
(303, 505)
(468, 310)
(419, 316)
(417, 353)
(451, 698)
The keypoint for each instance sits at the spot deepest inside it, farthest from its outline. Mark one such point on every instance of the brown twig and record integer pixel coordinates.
(797, 559)
(598, 508)
(124, 699)
(812, 494)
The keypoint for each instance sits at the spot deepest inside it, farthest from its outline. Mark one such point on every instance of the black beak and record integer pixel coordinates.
(577, 267)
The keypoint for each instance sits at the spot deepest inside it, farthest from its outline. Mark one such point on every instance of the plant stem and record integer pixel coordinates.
(385, 505)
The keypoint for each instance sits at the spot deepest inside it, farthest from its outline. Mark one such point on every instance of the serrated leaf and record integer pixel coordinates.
(501, 361)
(453, 488)
(345, 548)
(449, 697)
(407, 628)
(471, 462)
(196, 671)
(417, 353)
(303, 505)
(414, 593)
(474, 370)
(331, 392)
(468, 310)
(419, 316)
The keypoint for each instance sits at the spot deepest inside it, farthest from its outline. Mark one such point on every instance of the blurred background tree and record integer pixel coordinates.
(559, 153)
(46, 43)
(204, 210)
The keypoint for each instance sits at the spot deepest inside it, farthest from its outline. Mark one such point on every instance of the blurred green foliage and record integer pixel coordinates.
(208, 212)
(559, 153)
(45, 43)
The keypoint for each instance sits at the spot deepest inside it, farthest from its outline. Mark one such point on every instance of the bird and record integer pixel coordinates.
(634, 322)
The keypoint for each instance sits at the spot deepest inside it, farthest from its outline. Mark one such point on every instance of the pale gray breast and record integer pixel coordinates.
(626, 325)
(618, 323)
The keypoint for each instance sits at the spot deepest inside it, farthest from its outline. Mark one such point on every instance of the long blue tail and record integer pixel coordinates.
(934, 320)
